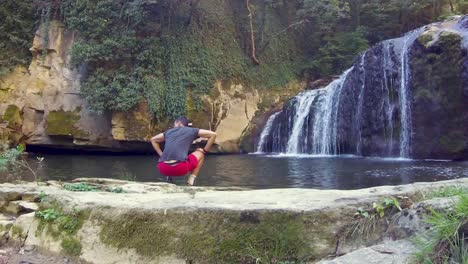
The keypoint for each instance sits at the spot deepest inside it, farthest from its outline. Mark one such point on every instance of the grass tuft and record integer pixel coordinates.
(445, 242)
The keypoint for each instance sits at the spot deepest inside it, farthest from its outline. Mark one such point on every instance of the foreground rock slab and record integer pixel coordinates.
(164, 223)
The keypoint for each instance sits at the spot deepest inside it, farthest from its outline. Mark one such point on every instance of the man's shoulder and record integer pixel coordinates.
(182, 130)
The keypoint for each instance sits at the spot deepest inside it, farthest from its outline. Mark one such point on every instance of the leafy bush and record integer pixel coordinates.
(13, 164)
(16, 32)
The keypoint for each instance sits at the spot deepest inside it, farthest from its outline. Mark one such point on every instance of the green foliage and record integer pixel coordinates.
(80, 187)
(271, 244)
(49, 215)
(445, 241)
(64, 226)
(9, 158)
(13, 164)
(115, 189)
(379, 209)
(16, 32)
(169, 53)
(71, 246)
(42, 196)
(339, 52)
(361, 213)
(386, 203)
(208, 238)
(447, 191)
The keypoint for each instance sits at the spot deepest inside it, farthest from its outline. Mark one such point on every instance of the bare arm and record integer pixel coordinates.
(155, 142)
(210, 135)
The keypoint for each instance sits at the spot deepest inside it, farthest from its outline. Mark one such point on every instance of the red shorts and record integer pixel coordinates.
(180, 168)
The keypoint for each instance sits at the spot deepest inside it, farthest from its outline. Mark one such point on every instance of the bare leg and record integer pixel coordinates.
(201, 159)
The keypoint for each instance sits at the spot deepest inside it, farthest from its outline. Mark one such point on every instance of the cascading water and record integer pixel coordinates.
(358, 116)
(266, 131)
(387, 83)
(304, 102)
(367, 111)
(405, 103)
(325, 124)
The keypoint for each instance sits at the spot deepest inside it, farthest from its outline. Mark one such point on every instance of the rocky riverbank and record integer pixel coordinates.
(111, 221)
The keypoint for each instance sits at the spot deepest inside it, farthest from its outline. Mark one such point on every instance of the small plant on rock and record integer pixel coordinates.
(80, 187)
(49, 215)
(386, 203)
(115, 189)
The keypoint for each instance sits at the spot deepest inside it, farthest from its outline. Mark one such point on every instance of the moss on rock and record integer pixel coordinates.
(71, 246)
(425, 38)
(12, 117)
(64, 123)
(439, 100)
(212, 236)
(62, 226)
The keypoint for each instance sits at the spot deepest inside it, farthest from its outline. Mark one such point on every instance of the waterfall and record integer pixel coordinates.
(265, 132)
(405, 96)
(358, 116)
(367, 111)
(326, 119)
(387, 83)
(302, 109)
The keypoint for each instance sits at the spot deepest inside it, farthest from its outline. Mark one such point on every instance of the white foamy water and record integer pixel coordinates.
(266, 132)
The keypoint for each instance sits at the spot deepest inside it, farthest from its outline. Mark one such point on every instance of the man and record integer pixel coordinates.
(173, 160)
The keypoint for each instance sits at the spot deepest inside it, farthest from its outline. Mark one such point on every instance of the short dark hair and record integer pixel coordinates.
(183, 120)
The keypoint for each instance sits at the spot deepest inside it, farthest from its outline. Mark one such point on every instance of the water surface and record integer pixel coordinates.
(261, 171)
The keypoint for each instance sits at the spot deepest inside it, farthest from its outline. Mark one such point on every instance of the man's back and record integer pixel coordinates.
(177, 143)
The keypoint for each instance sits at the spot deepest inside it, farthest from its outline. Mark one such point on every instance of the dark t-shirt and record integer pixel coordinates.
(177, 143)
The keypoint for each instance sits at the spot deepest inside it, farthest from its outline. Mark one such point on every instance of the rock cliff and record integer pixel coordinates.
(41, 106)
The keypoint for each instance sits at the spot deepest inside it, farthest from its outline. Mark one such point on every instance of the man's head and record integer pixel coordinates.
(181, 121)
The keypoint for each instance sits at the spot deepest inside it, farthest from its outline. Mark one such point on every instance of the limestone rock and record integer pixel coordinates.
(12, 208)
(160, 223)
(20, 229)
(26, 207)
(387, 253)
(5, 224)
(42, 106)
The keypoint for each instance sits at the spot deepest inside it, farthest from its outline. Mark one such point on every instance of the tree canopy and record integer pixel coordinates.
(167, 51)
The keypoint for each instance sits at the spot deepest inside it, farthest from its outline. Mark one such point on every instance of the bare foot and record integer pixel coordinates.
(191, 180)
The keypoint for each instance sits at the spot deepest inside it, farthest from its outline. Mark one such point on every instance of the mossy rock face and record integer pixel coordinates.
(220, 236)
(439, 115)
(64, 123)
(63, 227)
(425, 38)
(12, 117)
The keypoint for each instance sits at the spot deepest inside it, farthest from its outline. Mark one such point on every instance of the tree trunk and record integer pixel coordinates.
(252, 36)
